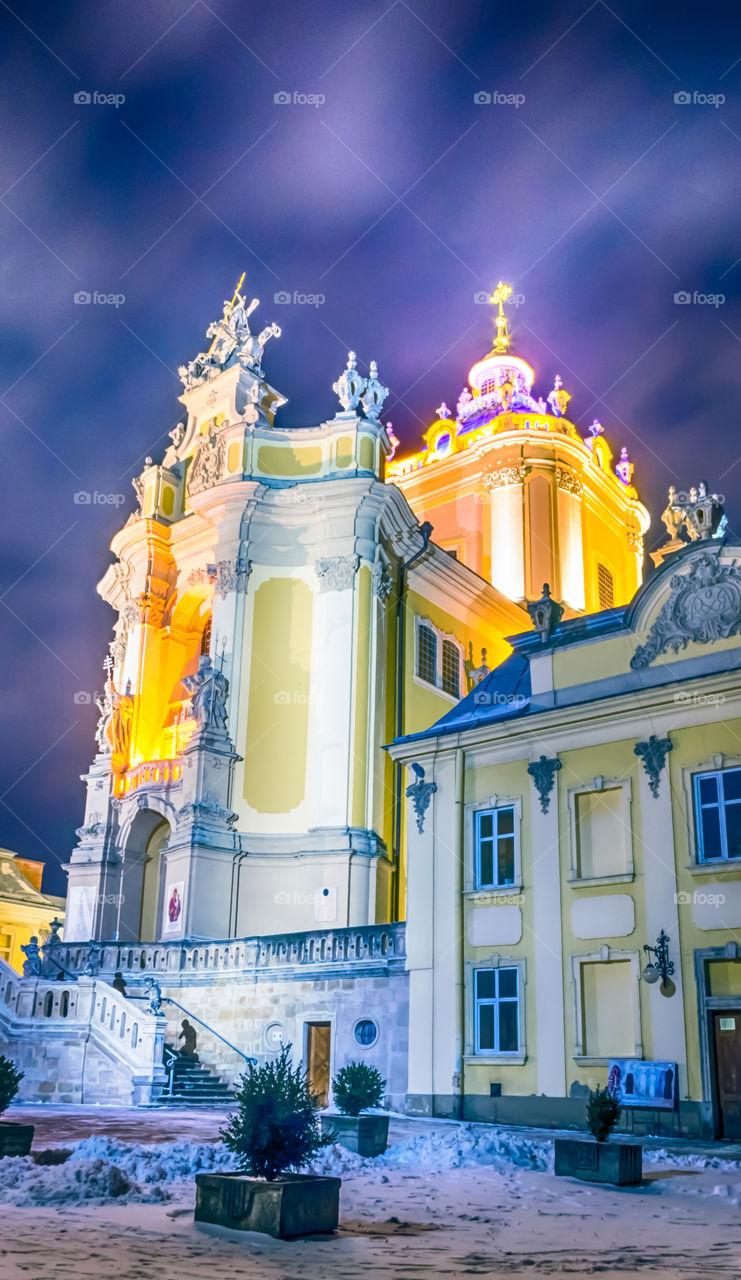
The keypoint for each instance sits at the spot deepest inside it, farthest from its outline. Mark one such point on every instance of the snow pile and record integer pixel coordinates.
(101, 1170)
(689, 1160)
(471, 1145)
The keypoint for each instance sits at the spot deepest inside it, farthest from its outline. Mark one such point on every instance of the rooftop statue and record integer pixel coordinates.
(233, 342)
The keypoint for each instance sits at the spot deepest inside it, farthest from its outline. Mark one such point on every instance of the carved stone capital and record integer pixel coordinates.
(497, 476)
(568, 481)
(336, 573)
(381, 580)
(229, 575)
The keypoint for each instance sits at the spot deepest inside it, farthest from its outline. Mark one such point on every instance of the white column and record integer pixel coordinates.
(667, 1040)
(419, 946)
(550, 1046)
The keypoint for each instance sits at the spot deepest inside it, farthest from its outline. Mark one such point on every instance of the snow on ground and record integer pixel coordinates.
(447, 1200)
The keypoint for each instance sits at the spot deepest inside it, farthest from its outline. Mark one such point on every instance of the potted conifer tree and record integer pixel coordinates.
(15, 1139)
(601, 1160)
(274, 1129)
(358, 1087)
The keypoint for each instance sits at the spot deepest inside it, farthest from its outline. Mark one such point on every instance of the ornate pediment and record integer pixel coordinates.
(704, 605)
(208, 464)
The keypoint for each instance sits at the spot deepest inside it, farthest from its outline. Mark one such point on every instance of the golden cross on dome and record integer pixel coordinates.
(500, 296)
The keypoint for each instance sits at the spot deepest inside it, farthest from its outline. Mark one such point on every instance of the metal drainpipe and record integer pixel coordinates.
(425, 531)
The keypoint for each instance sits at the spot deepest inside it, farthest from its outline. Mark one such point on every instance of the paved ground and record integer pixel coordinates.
(56, 1126)
(405, 1222)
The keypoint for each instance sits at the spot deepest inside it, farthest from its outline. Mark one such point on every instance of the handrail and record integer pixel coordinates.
(212, 1031)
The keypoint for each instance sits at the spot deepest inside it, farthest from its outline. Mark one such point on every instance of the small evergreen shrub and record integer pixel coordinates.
(9, 1081)
(603, 1110)
(276, 1126)
(358, 1087)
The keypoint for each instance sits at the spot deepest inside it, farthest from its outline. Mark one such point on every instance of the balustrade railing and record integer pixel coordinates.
(375, 945)
(28, 1003)
(150, 773)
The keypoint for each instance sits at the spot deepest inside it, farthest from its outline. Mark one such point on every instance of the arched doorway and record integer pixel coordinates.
(141, 891)
(151, 883)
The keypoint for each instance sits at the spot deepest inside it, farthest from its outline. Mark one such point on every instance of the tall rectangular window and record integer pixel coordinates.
(497, 1010)
(426, 654)
(718, 814)
(495, 848)
(451, 669)
(605, 587)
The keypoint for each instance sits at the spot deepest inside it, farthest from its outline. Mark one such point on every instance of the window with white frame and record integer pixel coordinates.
(439, 659)
(497, 1010)
(718, 814)
(494, 848)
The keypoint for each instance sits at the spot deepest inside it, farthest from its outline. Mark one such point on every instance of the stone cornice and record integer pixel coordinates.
(604, 720)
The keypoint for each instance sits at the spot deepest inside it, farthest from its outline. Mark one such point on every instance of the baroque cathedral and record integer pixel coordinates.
(400, 759)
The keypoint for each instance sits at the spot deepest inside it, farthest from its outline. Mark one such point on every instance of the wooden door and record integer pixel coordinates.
(318, 1047)
(727, 1034)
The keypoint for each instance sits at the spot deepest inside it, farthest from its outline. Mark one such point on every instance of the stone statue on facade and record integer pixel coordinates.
(32, 962)
(209, 688)
(154, 992)
(52, 966)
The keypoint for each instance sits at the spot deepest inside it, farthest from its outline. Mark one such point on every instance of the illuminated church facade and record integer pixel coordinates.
(283, 611)
(398, 759)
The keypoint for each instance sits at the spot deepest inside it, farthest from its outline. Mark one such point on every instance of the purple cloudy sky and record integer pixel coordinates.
(398, 198)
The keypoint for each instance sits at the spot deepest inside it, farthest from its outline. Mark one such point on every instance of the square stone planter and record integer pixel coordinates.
(618, 1162)
(15, 1139)
(366, 1134)
(295, 1204)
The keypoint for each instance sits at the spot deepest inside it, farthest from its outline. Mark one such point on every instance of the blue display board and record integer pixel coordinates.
(644, 1084)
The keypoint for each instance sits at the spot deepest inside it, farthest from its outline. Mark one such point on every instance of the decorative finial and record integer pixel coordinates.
(545, 613)
(393, 439)
(442, 410)
(596, 428)
(624, 467)
(698, 514)
(558, 398)
(502, 340)
(374, 394)
(350, 386)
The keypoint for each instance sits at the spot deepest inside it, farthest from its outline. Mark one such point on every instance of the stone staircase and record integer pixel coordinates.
(196, 1085)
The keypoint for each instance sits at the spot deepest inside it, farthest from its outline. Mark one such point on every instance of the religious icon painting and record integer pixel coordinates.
(174, 907)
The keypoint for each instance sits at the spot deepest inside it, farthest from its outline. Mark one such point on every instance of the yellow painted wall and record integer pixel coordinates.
(278, 716)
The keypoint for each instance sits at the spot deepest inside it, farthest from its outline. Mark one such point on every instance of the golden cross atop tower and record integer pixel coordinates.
(502, 340)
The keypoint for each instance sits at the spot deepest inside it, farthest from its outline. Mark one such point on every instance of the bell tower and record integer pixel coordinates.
(519, 495)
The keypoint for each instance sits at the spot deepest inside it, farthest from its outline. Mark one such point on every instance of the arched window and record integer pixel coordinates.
(439, 658)
(206, 636)
(605, 587)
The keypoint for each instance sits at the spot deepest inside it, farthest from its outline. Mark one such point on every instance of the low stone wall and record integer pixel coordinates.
(689, 1121)
(63, 1068)
(246, 1013)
